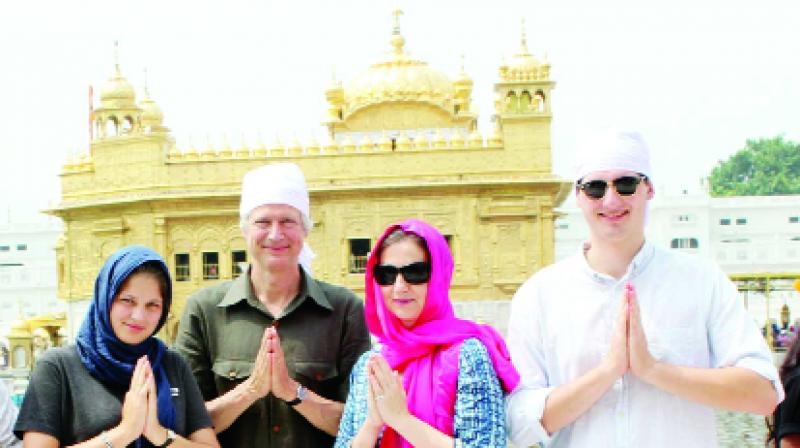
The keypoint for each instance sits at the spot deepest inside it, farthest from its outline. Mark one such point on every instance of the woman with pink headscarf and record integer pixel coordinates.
(433, 380)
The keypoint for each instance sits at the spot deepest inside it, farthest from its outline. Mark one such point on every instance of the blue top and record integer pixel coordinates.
(479, 419)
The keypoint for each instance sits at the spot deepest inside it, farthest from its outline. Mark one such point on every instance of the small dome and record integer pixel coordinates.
(523, 61)
(463, 80)
(151, 112)
(523, 66)
(118, 89)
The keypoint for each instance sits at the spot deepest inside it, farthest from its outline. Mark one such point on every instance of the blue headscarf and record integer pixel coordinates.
(106, 357)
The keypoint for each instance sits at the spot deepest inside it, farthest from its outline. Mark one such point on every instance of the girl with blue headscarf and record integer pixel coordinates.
(118, 386)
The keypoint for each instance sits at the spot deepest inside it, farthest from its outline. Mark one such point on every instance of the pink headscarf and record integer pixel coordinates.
(428, 353)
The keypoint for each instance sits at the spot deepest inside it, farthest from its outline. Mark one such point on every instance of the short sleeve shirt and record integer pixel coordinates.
(65, 401)
(322, 331)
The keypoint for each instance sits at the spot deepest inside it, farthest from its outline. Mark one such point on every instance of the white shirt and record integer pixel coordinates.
(560, 327)
(8, 416)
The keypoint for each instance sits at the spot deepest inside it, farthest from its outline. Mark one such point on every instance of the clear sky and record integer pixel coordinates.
(696, 77)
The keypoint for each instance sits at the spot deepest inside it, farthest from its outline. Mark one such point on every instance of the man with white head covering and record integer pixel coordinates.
(626, 344)
(272, 350)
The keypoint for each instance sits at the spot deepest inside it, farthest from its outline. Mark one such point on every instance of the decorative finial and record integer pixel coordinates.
(397, 39)
(396, 13)
(146, 90)
(116, 56)
(462, 63)
(524, 40)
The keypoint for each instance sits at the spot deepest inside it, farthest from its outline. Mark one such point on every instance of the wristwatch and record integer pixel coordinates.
(170, 439)
(301, 395)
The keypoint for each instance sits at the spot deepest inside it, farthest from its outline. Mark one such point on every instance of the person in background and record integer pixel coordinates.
(8, 415)
(784, 429)
(119, 385)
(434, 380)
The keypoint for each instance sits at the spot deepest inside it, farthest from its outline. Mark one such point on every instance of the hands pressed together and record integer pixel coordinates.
(628, 349)
(386, 402)
(140, 408)
(269, 373)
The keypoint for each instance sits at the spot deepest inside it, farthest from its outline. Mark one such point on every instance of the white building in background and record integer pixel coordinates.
(28, 270)
(743, 234)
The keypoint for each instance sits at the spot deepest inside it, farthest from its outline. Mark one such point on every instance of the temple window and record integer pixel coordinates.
(210, 265)
(359, 251)
(238, 259)
(182, 271)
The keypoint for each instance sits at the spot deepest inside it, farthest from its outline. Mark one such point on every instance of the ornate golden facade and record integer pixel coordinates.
(403, 143)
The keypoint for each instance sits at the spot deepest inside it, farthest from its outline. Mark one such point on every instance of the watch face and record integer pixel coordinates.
(170, 438)
(301, 392)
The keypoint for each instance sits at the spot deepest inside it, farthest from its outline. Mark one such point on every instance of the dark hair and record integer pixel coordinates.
(397, 235)
(789, 365)
(155, 270)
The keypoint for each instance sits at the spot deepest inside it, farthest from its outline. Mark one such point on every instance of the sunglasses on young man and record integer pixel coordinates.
(625, 186)
(414, 273)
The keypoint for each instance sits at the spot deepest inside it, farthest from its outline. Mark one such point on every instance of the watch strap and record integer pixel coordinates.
(301, 395)
(104, 439)
(170, 439)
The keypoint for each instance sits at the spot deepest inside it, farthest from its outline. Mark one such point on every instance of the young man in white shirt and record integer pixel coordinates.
(625, 343)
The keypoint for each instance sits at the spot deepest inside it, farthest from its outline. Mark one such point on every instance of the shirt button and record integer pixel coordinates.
(276, 428)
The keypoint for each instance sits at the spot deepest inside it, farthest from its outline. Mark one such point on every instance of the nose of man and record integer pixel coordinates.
(274, 232)
(611, 198)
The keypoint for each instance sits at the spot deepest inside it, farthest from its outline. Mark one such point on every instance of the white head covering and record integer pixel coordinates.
(613, 150)
(278, 183)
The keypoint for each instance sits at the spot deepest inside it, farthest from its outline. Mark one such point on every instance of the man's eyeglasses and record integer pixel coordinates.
(415, 273)
(625, 186)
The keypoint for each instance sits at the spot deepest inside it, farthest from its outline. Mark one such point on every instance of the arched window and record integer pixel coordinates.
(20, 358)
(112, 127)
(539, 100)
(525, 102)
(127, 125)
(512, 103)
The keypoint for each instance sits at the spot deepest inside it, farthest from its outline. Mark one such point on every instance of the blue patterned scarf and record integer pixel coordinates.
(106, 357)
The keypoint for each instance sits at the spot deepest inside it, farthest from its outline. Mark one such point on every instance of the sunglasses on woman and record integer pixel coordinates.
(625, 186)
(414, 273)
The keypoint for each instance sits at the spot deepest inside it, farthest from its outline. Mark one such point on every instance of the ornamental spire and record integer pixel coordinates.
(397, 39)
(523, 49)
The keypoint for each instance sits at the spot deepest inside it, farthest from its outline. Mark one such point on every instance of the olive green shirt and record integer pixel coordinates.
(322, 331)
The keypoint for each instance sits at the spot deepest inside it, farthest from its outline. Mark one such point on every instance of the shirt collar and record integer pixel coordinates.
(242, 289)
(637, 266)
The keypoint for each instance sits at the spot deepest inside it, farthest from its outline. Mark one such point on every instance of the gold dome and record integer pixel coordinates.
(118, 90)
(523, 61)
(151, 112)
(463, 80)
(398, 78)
(523, 66)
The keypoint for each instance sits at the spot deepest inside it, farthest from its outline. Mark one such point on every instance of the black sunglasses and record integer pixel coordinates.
(625, 186)
(415, 273)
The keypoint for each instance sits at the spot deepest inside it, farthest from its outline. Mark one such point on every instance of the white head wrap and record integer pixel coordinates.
(613, 150)
(278, 183)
